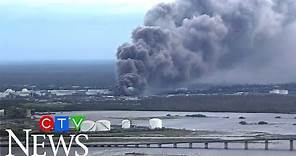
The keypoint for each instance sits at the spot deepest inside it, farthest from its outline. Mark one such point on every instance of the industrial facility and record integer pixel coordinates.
(106, 126)
(24, 93)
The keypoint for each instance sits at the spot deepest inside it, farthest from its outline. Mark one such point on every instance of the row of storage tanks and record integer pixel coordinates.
(105, 125)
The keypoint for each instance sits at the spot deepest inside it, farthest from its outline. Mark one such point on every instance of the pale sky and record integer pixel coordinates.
(36, 30)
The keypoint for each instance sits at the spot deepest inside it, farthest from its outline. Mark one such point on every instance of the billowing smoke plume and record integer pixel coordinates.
(192, 40)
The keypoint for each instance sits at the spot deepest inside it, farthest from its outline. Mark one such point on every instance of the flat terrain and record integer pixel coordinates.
(253, 103)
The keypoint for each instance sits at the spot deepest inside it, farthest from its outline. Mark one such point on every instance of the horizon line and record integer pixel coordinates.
(55, 61)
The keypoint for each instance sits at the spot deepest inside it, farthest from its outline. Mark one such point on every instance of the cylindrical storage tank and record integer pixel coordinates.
(103, 125)
(88, 126)
(126, 124)
(155, 123)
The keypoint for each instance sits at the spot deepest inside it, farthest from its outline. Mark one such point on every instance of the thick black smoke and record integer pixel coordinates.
(192, 40)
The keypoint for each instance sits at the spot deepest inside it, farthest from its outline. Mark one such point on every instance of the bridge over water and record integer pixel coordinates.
(178, 142)
(188, 143)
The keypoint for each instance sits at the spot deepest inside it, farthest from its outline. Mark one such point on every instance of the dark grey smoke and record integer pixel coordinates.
(210, 40)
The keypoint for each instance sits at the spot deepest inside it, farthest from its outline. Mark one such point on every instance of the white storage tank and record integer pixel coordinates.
(155, 123)
(126, 124)
(88, 126)
(103, 125)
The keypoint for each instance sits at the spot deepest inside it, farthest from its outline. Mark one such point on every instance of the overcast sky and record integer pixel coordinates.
(37, 30)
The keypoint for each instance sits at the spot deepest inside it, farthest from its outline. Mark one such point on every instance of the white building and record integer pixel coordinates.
(280, 92)
(24, 93)
(2, 112)
(39, 93)
(91, 92)
(2, 95)
(62, 92)
(155, 123)
(7, 93)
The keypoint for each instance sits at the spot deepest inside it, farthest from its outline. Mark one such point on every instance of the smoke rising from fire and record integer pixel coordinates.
(210, 40)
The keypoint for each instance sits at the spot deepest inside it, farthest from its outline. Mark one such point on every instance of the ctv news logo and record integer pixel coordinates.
(59, 123)
(47, 124)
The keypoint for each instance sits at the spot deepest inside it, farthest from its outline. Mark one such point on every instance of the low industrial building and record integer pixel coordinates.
(280, 92)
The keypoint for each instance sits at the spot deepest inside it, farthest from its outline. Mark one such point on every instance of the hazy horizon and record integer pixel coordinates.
(34, 30)
(66, 61)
